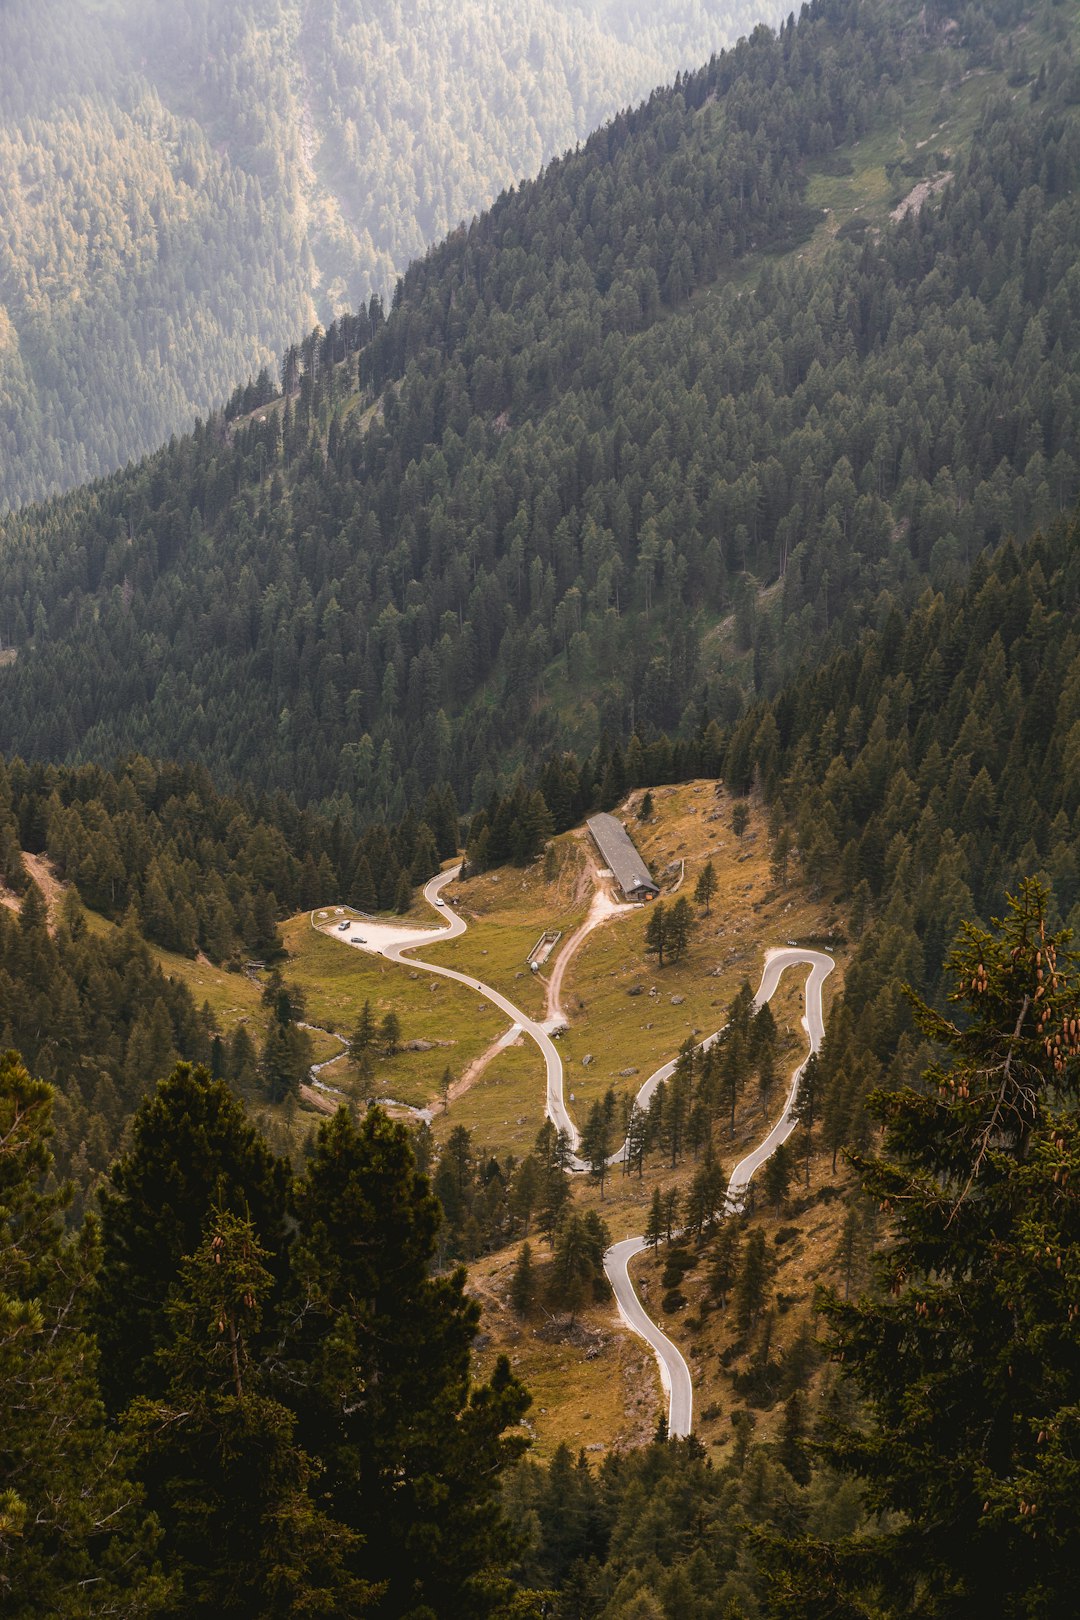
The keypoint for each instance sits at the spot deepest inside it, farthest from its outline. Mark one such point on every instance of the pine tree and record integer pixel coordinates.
(680, 922)
(723, 1266)
(596, 1144)
(192, 1150)
(791, 1449)
(965, 1356)
(390, 1034)
(656, 933)
(654, 1225)
(706, 886)
(379, 1358)
(776, 1175)
(363, 1036)
(752, 1283)
(577, 1266)
(234, 1493)
(71, 1520)
(672, 1201)
(523, 1283)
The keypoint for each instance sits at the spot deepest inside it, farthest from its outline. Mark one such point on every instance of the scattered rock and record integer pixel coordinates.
(626, 1073)
(597, 1445)
(636, 990)
(587, 1059)
(677, 1001)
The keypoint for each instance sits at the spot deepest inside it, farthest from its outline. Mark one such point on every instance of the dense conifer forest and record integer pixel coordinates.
(648, 475)
(583, 477)
(184, 188)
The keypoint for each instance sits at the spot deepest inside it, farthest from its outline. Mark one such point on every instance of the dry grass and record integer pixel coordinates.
(504, 1108)
(593, 1385)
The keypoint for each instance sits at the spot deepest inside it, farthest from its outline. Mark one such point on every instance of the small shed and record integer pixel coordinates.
(620, 854)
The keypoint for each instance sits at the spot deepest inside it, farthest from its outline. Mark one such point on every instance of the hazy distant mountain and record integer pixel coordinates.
(184, 188)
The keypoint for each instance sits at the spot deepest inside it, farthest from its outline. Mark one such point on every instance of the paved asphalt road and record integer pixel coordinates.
(556, 1106)
(674, 1372)
(673, 1369)
(776, 962)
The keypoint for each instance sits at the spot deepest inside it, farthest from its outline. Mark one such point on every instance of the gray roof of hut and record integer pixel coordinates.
(619, 852)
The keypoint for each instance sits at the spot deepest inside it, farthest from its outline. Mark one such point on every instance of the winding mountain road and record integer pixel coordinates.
(393, 941)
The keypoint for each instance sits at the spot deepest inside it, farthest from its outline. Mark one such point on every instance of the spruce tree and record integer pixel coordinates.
(234, 1493)
(752, 1283)
(390, 1034)
(656, 932)
(654, 1225)
(363, 1036)
(596, 1144)
(378, 1358)
(75, 1539)
(192, 1150)
(965, 1356)
(680, 921)
(523, 1282)
(706, 886)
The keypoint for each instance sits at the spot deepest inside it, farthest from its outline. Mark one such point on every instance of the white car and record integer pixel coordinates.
(439, 901)
(345, 924)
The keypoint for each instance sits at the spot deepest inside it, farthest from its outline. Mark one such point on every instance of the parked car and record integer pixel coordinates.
(345, 924)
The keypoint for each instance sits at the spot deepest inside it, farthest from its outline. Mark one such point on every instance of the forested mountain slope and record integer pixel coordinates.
(624, 462)
(184, 188)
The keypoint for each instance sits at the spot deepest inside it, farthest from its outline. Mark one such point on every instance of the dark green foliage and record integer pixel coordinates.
(71, 1521)
(705, 887)
(379, 1373)
(656, 932)
(776, 1175)
(596, 1139)
(523, 1282)
(192, 1151)
(96, 1018)
(235, 1495)
(390, 1034)
(752, 1283)
(966, 1357)
(573, 472)
(577, 1267)
(924, 771)
(680, 921)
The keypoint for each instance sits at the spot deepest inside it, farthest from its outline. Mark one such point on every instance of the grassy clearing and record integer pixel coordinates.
(456, 1025)
(505, 1108)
